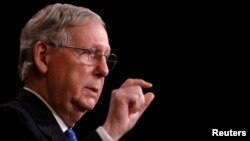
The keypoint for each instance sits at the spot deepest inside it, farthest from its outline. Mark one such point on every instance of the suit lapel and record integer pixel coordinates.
(42, 116)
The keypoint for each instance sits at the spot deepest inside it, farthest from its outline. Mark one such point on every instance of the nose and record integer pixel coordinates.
(102, 69)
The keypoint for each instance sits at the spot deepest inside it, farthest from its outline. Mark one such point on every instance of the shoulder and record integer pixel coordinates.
(17, 123)
(13, 113)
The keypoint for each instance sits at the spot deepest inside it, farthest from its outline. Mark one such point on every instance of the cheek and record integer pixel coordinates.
(77, 78)
(81, 74)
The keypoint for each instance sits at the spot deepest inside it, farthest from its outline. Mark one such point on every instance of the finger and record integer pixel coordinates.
(140, 82)
(136, 100)
(148, 99)
(142, 104)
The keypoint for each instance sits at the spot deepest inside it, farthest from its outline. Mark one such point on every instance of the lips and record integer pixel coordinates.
(93, 89)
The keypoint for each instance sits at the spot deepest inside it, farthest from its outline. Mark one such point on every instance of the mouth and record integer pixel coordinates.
(93, 89)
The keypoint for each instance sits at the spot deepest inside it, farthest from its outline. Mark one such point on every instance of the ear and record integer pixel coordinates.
(40, 54)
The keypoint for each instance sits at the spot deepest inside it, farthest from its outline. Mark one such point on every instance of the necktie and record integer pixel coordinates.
(70, 134)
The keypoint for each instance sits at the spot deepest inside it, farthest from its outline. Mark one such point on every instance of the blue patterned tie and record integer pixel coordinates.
(70, 134)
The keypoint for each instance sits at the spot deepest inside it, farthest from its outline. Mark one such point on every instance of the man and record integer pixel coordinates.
(64, 58)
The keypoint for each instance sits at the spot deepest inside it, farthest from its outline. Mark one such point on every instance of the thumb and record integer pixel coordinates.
(148, 99)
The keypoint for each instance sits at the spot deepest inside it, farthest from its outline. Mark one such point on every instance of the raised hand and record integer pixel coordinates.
(126, 106)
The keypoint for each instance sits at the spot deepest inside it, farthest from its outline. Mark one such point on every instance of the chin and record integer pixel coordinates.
(90, 105)
(86, 105)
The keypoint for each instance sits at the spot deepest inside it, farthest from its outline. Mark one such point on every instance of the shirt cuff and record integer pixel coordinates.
(103, 134)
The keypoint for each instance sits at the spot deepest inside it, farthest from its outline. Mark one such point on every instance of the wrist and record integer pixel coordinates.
(113, 132)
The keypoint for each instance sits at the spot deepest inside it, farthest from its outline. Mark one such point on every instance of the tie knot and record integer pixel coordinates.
(70, 134)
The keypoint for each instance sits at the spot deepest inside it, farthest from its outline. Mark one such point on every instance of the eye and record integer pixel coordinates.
(88, 53)
(91, 53)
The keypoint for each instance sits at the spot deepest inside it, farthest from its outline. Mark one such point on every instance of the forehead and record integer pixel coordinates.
(91, 34)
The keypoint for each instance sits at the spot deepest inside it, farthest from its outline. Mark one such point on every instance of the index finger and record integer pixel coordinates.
(133, 82)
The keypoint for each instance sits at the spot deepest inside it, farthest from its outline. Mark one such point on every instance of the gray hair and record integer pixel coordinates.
(49, 25)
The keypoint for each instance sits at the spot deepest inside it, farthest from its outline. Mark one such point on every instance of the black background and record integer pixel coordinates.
(195, 54)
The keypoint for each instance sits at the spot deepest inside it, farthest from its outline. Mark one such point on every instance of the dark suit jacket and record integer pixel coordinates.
(27, 118)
